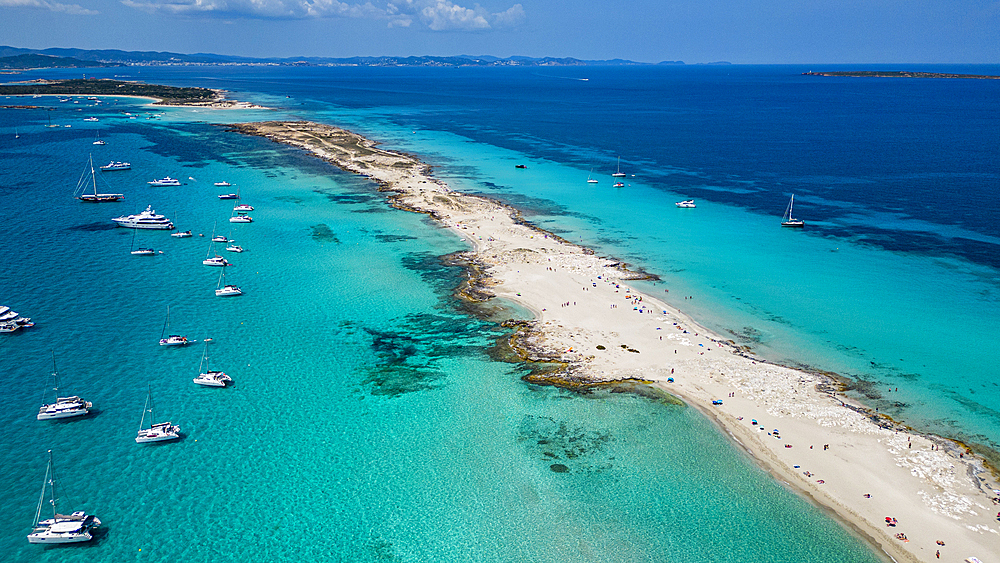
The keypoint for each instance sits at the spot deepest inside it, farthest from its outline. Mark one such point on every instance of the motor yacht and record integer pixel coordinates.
(148, 219)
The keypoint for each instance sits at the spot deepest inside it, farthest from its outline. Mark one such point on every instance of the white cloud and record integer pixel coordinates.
(437, 15)
(74, 9)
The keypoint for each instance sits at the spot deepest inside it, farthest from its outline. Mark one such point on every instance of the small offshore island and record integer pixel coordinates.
(164, 95)
(899, 74)
(866, 468)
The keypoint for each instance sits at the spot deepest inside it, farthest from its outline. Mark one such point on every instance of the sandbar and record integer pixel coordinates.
(600, 331)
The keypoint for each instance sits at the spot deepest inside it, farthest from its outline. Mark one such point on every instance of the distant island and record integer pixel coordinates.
(114, 57)
(169, 95)
(900, 74)
(29, 61)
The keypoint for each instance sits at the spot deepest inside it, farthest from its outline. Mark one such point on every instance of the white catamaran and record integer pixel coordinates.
(61, 528)
(157, 432)
(173, 339)
(64, 407)
(210, 378)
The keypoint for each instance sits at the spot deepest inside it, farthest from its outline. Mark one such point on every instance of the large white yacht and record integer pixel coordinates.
(116, 165)
(148, 219)
(74, 528)
(165, 181)
(12, 320)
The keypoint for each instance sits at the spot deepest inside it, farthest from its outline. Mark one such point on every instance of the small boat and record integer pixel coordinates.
(226, 290)
(157, 432)
(210, 378)
(619, 185)
(219, 238)
(788, 220)
(115, 165)
(243, 207)
(173, 339)
(61, 528)
(234, 248)
(688, 203)
(140, 251)
(91, 119)
(99, 142)
(619, 173)
(184, 234)
(82, 184)
(241, 217)
(520, 166)
(64, 407)
(589, 179)
(165, 181)
(229, 196)
(148, 219)
(223, 184)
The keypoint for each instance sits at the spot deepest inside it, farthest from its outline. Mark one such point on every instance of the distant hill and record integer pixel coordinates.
(32, 60)
(116, 57)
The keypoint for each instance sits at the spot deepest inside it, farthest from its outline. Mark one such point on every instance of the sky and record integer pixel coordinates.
(693, 31)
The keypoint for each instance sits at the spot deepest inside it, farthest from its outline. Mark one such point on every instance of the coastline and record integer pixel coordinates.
(588, 320)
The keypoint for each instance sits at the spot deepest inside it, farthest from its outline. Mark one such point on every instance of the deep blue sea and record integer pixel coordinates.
(367, 421)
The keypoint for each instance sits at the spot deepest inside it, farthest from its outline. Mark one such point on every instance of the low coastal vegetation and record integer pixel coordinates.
(108, 87)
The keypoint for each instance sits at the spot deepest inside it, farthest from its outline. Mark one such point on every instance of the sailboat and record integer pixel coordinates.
(16, 136)
(157, 432)
(95, 197)
(98, 141)
(214, 260)
(173, 339)
(788, 220)
(226, 290)
(210, 378)
(61, 528)
(589, 179)
(619, 173)
(48, 115)
(64, 407)
(141, 251)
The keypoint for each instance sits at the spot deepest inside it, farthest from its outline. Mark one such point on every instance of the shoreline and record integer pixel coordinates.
(598, 331)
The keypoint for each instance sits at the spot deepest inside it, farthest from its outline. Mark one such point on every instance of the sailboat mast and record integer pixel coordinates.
(93, 177)
(166, 323)
(52, 486)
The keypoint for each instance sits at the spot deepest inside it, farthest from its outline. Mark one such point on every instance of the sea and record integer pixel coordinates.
(371, 418)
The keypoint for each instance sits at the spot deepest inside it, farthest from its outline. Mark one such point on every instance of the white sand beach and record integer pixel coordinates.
(843, 457)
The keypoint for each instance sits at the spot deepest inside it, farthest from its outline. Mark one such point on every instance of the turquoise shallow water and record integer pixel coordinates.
(366, 422)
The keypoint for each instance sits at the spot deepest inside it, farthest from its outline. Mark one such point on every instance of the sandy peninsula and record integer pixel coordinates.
(939, 497)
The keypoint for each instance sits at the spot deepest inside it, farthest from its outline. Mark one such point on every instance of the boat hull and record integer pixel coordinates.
(62, 414)
(133, 225)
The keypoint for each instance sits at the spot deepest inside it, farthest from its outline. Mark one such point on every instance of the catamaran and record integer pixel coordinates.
(61, 528)
(788, 220)
(157, 432)
(82, 184)
(210, 378)
(223, 290)
(64, 407)
(173, 339)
